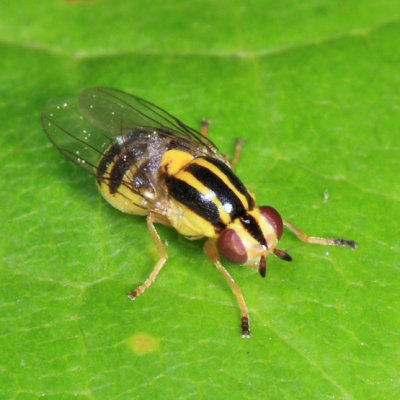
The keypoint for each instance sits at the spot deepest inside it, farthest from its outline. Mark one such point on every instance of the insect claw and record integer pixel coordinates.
(282, 255)
(132, 295)
(347, 243)
(205, 122)
(262, 268)
(245, 328)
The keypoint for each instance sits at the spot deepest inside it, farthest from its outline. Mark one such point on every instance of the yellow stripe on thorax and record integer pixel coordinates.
(174, 160)
(215, 170)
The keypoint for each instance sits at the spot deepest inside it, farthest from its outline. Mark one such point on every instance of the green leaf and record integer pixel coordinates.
(313, 88)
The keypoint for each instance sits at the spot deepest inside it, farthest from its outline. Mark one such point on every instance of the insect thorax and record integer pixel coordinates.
(206, 196)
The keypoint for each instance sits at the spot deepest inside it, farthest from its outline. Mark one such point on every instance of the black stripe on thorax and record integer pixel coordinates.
(229, 200)
(195, 201)
(252, 227)
(233, 179)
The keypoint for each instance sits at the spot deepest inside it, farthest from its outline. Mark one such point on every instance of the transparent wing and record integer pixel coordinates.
(72, 134)
(82, 127)
(115, 111)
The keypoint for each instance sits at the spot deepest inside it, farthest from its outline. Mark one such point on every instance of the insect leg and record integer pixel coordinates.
(238, 149)
(204, 127)
(212, 253)
(318, 240)
(151, 219)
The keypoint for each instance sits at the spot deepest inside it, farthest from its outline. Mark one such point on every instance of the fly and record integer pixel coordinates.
(147, 162)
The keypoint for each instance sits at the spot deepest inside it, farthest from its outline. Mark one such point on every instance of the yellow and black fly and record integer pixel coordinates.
(147, 162)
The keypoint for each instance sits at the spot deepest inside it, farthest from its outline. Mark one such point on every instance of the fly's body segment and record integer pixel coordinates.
(147, 162)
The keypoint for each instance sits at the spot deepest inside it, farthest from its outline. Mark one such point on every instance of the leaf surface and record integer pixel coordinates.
(313, 89)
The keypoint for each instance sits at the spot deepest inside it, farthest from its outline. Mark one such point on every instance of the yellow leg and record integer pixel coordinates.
(204, 127)
(238, 146)
(238, 149)
(151, 219)
(318, 240)
(212, 253)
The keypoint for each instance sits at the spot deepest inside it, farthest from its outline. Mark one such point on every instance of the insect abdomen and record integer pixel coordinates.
(118, 170)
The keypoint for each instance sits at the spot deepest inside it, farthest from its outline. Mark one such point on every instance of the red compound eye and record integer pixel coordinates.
(273, 218)
(231, 247)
